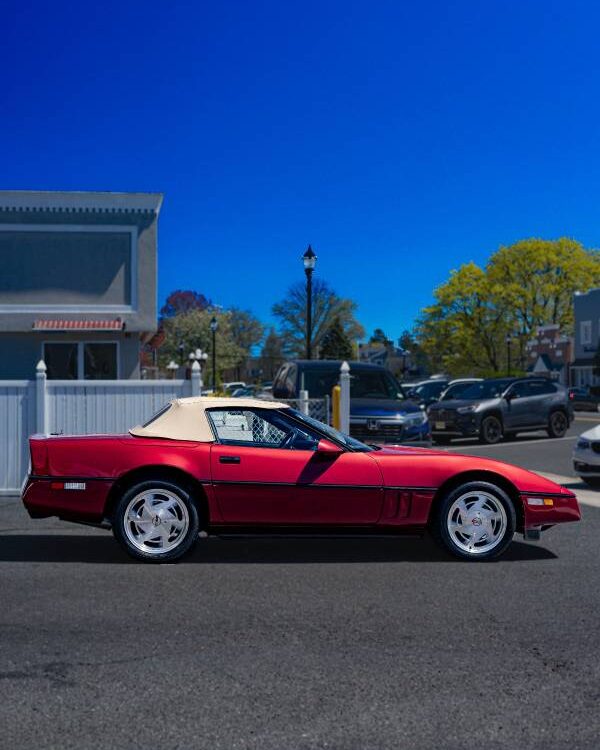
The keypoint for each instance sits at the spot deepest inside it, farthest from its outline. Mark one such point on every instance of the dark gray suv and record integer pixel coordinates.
(501, 407)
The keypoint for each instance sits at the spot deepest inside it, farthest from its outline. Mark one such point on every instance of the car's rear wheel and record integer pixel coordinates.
(490, 431)
(475, 521)
(558, 424)
(156, 521)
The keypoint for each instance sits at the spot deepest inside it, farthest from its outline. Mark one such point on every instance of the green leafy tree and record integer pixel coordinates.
(327, 306)
(528, 284)
(335, 344)
(192, 331)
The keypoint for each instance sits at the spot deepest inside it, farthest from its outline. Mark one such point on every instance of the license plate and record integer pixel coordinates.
(440, 425)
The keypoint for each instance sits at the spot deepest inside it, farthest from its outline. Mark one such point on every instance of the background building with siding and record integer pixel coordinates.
(77, 282)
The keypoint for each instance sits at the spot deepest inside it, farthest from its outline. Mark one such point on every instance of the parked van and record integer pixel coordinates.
(379, 410)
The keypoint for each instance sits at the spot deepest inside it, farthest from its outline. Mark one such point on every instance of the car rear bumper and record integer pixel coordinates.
(66, 497)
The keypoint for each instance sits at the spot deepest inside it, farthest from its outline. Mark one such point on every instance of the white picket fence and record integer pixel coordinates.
(74, 407)
(80, 407)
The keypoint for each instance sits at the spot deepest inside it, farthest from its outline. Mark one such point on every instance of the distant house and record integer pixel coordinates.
(395, 358)
(77, 282)
(587, 337)
(550, 354)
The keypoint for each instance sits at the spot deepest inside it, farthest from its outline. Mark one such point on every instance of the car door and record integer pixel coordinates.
(266, 470)
(519, 407)
(543, 396)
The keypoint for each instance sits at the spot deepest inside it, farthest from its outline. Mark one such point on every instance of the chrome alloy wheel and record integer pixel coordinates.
(156, 521)
(476, 522)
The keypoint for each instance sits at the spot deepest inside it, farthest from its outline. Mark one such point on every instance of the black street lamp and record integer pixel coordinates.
(309, 259)
(181, 348)
(508, 343)
(214, 324)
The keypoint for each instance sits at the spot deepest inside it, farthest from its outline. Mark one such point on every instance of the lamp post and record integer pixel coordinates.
(508, 343)
(214, 324)
(200, 357)
(310, 260)
(180, 348)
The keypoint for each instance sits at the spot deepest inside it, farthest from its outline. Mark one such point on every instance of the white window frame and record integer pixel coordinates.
(585, 332)
(94, 229)
(80, 357)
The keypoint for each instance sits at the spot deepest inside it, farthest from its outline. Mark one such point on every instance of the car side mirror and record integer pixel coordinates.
(326, 447)
(509, 396)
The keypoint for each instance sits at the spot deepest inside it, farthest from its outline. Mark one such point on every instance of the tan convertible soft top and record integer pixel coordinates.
(186, 419)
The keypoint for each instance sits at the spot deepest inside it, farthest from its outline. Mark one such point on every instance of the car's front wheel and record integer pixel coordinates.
(156, 521)
(558, 424)
(475, 521)
(490, 431)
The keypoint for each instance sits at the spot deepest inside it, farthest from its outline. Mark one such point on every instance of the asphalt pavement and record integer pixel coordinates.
(284, 644)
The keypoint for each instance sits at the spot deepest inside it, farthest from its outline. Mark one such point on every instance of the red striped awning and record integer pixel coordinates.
(114, 324)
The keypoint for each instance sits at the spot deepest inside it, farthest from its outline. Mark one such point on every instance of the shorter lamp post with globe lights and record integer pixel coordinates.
(200, 357)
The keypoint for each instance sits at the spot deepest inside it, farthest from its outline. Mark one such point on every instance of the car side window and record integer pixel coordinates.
(519, 390)
(245, 427)
(541, 388)
(260, 429)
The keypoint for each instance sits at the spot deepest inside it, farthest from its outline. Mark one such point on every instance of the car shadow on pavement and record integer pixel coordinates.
(102, 549)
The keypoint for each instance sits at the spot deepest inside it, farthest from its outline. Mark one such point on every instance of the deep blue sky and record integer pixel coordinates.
(401, 139)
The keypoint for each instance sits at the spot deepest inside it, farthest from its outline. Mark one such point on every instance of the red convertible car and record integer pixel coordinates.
(250, 466)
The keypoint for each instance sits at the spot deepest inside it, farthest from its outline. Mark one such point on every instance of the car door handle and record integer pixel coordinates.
(229, 459)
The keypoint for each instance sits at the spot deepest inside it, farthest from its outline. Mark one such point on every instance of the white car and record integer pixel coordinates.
(586, 456)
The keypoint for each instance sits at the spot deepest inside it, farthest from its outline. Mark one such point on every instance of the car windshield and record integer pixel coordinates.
(429, 390)
(485, 389)
(455, 391)
(363, 383)
(332, 433)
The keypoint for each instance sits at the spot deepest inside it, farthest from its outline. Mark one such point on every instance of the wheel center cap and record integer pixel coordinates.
(156, 521)
(476, 521)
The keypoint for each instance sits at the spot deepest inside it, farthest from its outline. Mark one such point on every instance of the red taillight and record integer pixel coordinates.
(39, 455)
(571, 395)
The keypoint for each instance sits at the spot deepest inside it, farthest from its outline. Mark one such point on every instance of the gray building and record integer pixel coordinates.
(77, 282)
(587, 337)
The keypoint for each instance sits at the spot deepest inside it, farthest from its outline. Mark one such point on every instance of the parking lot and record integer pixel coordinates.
(351, 644)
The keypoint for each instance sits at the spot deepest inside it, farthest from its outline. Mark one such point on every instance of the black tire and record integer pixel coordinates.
(490, 431)
(558, 424)
(184, 513)
(441, 533)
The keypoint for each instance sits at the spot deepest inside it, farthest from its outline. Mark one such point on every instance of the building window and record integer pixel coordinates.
(585, 332)
(61, 361)
(81, 360)
(100, 361)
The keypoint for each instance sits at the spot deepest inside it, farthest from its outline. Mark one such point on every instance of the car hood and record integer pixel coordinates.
(593, 434)
(427, 469)
(381, 407)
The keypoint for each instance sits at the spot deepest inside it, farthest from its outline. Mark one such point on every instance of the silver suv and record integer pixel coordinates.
(501, 407)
